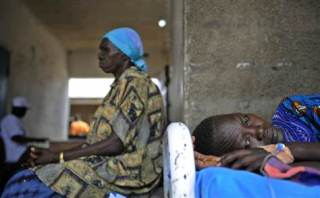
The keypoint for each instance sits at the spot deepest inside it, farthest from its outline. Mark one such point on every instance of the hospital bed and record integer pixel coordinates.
(178, 162)
(179, 174)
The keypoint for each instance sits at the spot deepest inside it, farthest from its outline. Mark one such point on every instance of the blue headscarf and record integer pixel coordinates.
(128, 42)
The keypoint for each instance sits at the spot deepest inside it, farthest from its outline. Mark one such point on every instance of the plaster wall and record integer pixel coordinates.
(246, 55)
(38, 70)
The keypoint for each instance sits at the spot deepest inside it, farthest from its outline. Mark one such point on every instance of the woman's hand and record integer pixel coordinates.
(249, 159)
(37, 156)
(28, 157)
(204, 161)
(45, 156)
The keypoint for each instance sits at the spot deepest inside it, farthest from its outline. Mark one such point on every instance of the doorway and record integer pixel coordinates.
(4, 74)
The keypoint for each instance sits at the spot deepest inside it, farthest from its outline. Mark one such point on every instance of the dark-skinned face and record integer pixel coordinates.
(110, 58)
(19, 111)
(249, 131)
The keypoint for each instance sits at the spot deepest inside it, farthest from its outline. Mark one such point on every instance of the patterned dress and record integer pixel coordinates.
(298, 117)
(133, 110)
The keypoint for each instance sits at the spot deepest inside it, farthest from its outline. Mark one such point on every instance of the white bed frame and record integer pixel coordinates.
(178, 162)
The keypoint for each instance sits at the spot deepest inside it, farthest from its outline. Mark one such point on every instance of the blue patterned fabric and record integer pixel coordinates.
(299, 118)
(223, 182)
(25, 184)
(129, 42)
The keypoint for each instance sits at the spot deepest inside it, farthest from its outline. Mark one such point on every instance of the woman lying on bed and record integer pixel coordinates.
(246, 141)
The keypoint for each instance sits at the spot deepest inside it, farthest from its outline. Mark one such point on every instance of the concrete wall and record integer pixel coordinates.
(176, 85)
(37, 70)
(84, 64)
(245, 55)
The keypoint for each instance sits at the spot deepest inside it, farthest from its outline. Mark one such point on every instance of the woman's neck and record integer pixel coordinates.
(121, 69)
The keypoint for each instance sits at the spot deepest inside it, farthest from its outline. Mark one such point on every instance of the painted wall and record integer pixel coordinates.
(38, 70)
(246, 55)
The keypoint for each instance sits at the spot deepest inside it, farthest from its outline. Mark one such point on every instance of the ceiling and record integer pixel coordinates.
(79, 24)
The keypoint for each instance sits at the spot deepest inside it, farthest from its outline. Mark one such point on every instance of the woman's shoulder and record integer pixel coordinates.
(134, 76)
(133, 72)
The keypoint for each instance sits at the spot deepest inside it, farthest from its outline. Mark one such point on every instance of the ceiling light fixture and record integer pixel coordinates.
(162, 23)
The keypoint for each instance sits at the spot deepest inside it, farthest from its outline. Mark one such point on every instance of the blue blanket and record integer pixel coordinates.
(224, 182)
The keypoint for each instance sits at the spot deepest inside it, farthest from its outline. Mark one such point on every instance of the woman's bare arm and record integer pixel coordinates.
(63, 146)
(108, 147)
(305, 151)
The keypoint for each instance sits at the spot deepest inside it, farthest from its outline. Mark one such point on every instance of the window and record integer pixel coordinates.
(87, 88)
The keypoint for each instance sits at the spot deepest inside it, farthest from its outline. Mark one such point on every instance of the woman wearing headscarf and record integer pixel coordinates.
(123, 150)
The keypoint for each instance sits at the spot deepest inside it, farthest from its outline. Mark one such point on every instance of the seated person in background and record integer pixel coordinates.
(13, 133)
(245, 141)
(123, 150)
(13, 139)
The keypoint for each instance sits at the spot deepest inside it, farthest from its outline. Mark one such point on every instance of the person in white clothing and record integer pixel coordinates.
(14, 139)
(13, 132)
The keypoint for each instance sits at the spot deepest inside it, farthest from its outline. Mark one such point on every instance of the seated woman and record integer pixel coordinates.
(245, 141)
(123, 150)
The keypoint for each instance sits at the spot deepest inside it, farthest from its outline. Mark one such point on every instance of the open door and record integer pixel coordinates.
(4, 72)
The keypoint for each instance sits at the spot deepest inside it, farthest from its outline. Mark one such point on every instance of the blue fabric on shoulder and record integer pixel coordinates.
(298, 117)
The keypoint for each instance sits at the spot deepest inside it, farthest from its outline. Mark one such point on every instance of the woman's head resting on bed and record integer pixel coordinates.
(221, 134)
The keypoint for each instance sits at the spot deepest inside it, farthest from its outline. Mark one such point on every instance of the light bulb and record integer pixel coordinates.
(162, 23)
